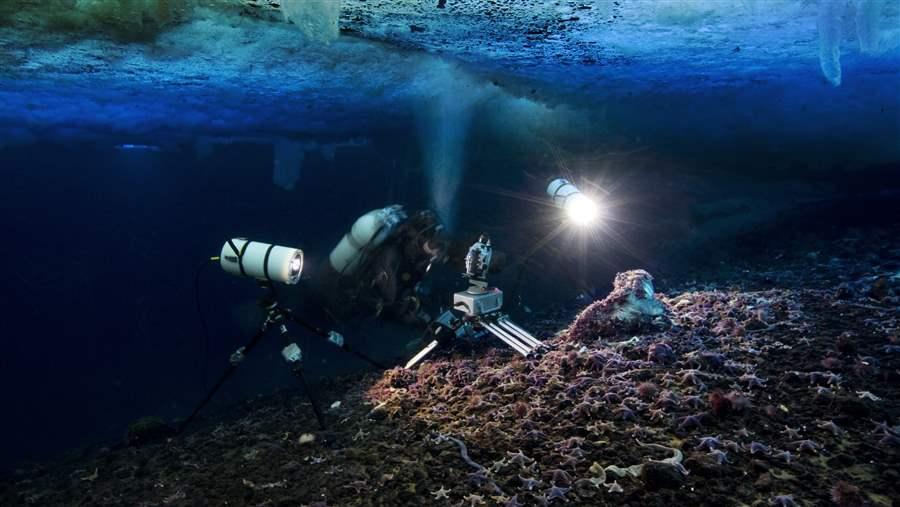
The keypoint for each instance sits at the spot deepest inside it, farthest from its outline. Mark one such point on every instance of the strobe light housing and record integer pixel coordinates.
(579, 208)
(263, 261)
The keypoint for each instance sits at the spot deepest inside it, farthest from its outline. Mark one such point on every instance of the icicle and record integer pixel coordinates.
(868, 16)
(317, 19)
(288, 162)
(829, 25)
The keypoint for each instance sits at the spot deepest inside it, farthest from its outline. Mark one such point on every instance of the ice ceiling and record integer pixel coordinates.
(334, 67)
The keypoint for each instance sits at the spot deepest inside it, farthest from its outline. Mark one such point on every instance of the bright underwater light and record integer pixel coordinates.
(580, 209)
(263, 261)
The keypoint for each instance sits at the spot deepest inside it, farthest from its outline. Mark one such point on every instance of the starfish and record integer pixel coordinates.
(583, 409)
(830, 426)
(441, 493)
(824, 392)
(880, 426)
(657, 414)
(890, 438)
(807, 445)
(611, 397)
(718, 456)
(528, 483)
(560, 477)
(600, 427)
(783, 501)
(708, 443)
(786, 455)
(791, 432)
(518, 458)
(624, 413)
(572, 461)
(360, 435)
(756, 447)
(693, 401)
(866, 395)
(731, 445)
(570, 443)
(615, 488)
(498, 465)
(691, 421)
(474, 499)
(691, 376)
(752, 380)
(597, 481)
(556, 492)
(513, 502)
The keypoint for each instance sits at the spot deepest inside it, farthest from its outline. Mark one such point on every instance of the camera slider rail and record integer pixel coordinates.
(481, 316)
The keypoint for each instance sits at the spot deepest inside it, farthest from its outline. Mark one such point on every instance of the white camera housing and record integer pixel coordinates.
(474, 304)
(262, 261)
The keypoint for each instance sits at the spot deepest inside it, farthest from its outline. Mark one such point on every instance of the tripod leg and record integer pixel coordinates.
(298, 371)
(421, 354)
(327, 336)
(227, 373)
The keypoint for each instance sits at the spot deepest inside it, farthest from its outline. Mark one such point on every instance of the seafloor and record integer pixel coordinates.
(777, 385)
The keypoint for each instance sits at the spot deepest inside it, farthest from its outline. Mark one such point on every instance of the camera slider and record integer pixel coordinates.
(469, 322)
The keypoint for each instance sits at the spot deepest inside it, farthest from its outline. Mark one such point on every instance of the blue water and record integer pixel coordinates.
(126, 164)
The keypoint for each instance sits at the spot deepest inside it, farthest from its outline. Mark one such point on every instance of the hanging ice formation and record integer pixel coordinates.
(288, 162)
(830, 24)
(317, 19)
(288, 155)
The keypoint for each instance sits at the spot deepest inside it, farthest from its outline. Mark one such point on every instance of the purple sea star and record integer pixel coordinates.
(720, 457)
(752, 380)
(691, 421)
(708, 443)
(785, 455)
(756, 447)
(806, 445)
(528, 483)
(791, 432)
(783, 501)
(830, 426)
(556, 492)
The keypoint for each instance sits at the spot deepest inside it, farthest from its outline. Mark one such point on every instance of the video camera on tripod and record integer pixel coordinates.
(476, 310)
(269, 263)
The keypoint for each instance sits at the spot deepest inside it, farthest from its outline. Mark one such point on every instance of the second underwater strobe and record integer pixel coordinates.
(476, 310)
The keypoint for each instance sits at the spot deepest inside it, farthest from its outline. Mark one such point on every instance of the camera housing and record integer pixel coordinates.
(263, 261)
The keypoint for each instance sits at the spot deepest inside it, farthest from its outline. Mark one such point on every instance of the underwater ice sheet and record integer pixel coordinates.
(744, 153)
(267, 72)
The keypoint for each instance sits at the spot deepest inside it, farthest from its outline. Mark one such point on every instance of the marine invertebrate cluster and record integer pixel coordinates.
(590, 421)
(631, 306)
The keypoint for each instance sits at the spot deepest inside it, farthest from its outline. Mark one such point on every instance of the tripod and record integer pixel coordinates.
(278, 317)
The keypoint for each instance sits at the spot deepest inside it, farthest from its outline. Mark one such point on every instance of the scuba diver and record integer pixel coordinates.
(374, 271)
(377, 267)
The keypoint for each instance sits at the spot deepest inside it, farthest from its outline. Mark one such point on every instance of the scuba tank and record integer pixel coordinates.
(369, 231)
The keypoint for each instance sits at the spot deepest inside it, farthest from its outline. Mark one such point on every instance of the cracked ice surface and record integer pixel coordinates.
(224, 74)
